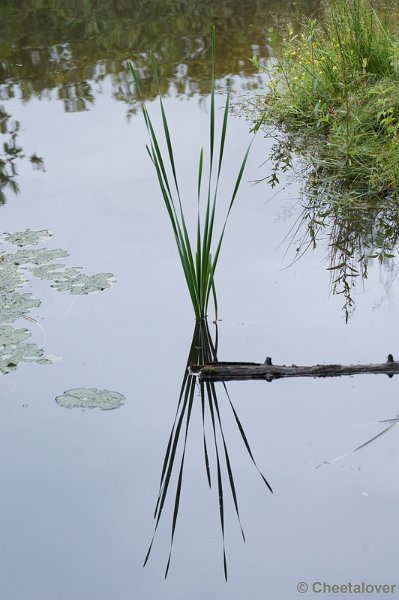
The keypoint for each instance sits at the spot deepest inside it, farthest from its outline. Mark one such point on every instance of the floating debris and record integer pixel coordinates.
(27, 237)
(90, 398)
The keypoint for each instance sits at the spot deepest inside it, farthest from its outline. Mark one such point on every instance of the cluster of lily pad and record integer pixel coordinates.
(15, 270)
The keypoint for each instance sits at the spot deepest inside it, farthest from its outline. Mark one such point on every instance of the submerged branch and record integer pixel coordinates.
(228, 371)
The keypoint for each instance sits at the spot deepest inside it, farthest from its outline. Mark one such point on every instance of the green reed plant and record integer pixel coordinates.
(198, 256)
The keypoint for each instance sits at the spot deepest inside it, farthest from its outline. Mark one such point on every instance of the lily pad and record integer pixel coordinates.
(35, 256)
(27, 237)
(10, 277)
(14, 305)
(13, 350)
(90, 398)
(71, 279)
(78, 283)
(10, 335)
(50, 271)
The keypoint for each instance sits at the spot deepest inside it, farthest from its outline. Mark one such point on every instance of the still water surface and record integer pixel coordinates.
(79, 487)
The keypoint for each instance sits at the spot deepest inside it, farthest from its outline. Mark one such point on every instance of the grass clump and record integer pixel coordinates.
(198, 257)
(336, 81)
(322, 73)
(333, 95)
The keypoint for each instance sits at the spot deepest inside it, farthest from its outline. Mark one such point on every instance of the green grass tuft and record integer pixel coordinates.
(198, 258)
(333, 95)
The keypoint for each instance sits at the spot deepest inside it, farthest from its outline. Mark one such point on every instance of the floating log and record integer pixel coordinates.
(236, 371)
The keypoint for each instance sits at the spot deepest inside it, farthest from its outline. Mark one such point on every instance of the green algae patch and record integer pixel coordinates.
(14, 350)
(90, 398)
(27, 237)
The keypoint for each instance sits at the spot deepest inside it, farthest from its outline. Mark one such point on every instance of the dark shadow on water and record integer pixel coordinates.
(220, 474)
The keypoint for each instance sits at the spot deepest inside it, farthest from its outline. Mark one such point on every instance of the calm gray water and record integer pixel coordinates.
(79, 487)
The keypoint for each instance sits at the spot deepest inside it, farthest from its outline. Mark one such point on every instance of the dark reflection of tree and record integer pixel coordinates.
(65, 48)
(11, 154)
(203, 350)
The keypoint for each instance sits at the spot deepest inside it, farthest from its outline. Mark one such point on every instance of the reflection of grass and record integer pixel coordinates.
(198, 259)
(202, 351)
(356, 234)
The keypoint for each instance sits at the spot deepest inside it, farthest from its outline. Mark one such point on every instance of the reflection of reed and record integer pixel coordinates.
(390, 425)
(203, 350)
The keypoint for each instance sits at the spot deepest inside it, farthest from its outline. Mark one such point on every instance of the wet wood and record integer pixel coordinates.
(229, 371)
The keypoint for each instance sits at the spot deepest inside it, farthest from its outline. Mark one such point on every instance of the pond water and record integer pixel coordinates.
(80, 486)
